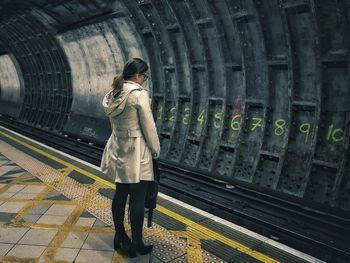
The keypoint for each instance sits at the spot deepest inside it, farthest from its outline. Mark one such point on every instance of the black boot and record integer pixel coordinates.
(121, 239)
(139, 248)
(137, 211)
(123, 242)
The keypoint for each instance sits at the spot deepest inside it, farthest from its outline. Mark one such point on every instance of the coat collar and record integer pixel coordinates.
(114, 106)
(129, 82)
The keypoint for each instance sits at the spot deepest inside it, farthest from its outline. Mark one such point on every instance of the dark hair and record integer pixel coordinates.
(131, 68)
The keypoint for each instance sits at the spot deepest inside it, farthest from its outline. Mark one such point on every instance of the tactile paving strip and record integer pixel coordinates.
(68, 186)
(169, 246)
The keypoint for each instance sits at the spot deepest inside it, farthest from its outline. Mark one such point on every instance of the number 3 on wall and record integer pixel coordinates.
(173, 114)
(186, 116)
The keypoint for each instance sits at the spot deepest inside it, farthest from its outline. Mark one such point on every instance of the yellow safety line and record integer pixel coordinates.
(54, 158)
(208, 232)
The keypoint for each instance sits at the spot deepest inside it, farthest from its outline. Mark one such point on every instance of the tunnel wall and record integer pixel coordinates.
(96, 53)
(247, 92)
(11, 86)
(46, 73)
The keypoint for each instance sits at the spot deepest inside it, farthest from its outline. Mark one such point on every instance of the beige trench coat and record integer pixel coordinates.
(127, 156)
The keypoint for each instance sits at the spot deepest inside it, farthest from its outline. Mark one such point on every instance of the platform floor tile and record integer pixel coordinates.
(40, 237)
(26, 251)
(31, 218)
(6, 194)
(60, 210)
(3, 161)
(99, 241)
(86, 221)
(75, 240)
(12, 207)
(33, 189)
(39, 209)
(6, 218)
(4, 248)
(21, 195)
(14, 188)
(5, 169)
(96, 256)
(48, 219)
(12, 234)
(67, 221)
(66, 254)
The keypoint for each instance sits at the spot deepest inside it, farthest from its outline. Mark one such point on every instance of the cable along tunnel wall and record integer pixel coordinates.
(243, 91)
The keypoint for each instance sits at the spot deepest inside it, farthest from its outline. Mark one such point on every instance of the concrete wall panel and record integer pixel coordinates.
(11, 86)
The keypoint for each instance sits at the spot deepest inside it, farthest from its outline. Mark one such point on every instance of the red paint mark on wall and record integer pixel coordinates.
(237, 106)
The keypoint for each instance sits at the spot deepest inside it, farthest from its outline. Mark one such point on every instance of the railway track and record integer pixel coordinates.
(288, 222)
(309, 229)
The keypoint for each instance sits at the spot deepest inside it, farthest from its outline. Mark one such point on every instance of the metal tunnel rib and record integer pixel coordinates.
(249, 96)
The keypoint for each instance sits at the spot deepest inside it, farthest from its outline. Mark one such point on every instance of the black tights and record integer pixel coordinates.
(137, 209)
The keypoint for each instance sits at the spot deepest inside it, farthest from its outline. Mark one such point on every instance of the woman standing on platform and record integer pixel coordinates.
(129, 151)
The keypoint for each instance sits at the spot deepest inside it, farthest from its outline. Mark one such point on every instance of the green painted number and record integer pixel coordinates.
(173, 112)
(217, 120)
(256, 123)
(336, 135)
(160, 113)
(305, 128)
(236, 123)
(201, 117)
(186, 116)
(280, 123)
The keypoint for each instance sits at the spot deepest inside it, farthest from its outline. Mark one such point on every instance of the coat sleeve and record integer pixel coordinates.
(148, 126)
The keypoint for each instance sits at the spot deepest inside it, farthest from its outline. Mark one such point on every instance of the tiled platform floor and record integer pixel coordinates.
(39, 224)
(54, 208)
(46, 216)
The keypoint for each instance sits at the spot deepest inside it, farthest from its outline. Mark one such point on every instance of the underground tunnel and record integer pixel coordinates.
(248, 95)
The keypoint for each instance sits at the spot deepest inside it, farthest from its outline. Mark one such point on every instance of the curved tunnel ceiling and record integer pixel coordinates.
(253, 92)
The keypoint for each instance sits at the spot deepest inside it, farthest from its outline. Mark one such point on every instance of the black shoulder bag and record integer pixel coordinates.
(152, 193)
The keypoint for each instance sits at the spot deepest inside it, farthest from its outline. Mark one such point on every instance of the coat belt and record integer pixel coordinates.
(128, 133)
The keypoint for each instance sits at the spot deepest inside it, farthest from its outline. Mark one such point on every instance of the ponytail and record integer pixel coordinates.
(117, 84)
(131, 68)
